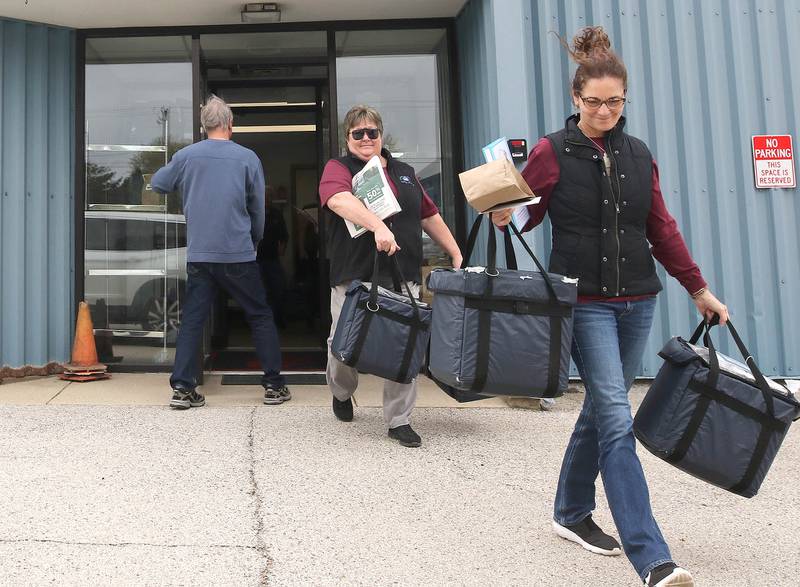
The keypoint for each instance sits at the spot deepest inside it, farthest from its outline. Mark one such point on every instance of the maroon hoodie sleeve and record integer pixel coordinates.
(541, 173)
(669, 248)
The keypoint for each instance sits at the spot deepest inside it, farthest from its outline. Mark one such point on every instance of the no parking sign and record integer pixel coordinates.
(773, 161)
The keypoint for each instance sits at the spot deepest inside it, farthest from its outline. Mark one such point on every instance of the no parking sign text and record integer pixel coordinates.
(773, 161)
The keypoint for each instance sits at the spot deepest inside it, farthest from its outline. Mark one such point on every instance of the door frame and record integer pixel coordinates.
(194, 32)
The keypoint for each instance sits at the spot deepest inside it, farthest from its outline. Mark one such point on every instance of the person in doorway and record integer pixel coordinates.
(222, 186)
(352, 258)
(270, 250)
(307, 254)
(600, 187)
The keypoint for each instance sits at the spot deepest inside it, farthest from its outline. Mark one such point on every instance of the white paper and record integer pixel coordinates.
(372, 188)
(735, 368)
(520, 216)
(497, 150)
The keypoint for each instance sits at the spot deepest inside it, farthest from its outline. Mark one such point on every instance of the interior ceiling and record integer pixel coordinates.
(147, 13)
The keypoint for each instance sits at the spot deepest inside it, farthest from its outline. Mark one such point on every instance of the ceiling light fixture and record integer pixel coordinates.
(275, 128)
(261, 12)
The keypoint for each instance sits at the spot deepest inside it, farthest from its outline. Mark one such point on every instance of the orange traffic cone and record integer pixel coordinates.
(84, 365)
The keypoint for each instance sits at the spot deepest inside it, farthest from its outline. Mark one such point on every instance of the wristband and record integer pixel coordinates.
(699, 292)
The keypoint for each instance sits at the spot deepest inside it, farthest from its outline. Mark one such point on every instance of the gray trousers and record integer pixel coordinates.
(398, 398)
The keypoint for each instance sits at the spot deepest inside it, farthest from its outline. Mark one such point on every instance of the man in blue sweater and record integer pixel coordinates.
(222, 185)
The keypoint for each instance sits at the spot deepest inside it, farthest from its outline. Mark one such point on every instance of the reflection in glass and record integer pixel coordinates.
(403, 89)
(260, 48)
(135, 264)
(404, 74)
(138, 114)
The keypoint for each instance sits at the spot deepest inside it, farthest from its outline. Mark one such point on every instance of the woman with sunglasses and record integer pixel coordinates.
(352, 258)
(600, 187)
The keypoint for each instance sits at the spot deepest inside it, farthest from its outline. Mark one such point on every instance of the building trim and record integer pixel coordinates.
(80, 171)
(327, 25)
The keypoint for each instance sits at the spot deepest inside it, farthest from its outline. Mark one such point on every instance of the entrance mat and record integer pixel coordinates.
(248, 361)
(291, 379)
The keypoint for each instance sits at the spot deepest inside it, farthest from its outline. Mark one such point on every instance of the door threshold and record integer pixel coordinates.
(251, 378)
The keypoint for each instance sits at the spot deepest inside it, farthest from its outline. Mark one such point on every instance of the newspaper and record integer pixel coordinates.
(498, 149)
(372, 188)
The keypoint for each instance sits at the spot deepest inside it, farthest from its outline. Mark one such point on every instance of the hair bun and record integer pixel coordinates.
(590, 40)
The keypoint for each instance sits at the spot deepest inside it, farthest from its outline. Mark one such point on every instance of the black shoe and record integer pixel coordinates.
(669, 575)
(183, 399)
(590, 536)
(275, 395)
(343, 410)
(406, 436)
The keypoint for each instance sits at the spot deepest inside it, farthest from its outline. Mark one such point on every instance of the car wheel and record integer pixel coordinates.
(156, 314)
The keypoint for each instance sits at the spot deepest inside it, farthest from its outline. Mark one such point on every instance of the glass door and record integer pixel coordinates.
(277, 86)
(138, 114)
(404, 74)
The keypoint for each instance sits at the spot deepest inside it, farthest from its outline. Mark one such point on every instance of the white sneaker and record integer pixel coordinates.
(590, 536)
(669, 575)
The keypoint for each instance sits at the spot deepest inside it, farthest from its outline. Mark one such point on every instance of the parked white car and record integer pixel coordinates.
(135, 269)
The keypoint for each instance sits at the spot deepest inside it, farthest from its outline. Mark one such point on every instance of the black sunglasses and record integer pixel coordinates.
(372, 133)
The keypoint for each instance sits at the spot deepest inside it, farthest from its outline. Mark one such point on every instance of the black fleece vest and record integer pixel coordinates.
(599, 219)
(353, 258)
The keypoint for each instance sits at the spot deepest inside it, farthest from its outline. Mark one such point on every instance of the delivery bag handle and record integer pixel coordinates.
(491, 249)
(713, 360)
(547, 280)
(511, 260)
(397, 273)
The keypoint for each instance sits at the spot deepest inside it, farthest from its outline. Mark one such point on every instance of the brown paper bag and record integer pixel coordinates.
(495, 185)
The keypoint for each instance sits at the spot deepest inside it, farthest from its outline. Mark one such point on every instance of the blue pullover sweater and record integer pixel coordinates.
(222, 185)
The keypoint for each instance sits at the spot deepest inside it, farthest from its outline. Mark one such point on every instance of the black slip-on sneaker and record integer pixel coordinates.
(343, 410)
(669, 575)
(590, 536)
(406, 436)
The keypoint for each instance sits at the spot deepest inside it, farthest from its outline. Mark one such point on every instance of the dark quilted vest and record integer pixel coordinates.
(599, 219)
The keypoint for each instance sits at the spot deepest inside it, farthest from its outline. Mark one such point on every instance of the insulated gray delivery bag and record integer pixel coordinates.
(715, 418)
(500, 331)
(381, 332)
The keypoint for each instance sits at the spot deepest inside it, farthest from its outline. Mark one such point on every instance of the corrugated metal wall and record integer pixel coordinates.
(36, 189)
(704, 76)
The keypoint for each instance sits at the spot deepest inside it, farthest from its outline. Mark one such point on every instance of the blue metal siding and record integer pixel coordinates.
(704, 76)
(479, 88)
(36, 208)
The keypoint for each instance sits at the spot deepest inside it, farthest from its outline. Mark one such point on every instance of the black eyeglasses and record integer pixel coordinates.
(372, 133)
(614, 103)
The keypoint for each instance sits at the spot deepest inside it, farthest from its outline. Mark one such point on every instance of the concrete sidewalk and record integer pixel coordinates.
(152, 389)
(103, 484)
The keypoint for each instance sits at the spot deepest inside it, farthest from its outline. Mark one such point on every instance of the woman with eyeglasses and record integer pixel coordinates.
(352, 258)
(600, 187)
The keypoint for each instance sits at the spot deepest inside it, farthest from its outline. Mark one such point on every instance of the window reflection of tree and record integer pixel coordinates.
(105, 186)
(151, 161)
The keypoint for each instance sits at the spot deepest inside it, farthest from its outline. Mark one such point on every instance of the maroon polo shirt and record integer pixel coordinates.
(336, 178)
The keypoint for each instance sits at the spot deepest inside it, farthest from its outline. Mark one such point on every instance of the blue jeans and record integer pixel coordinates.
(607, 347)
(243, 282)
